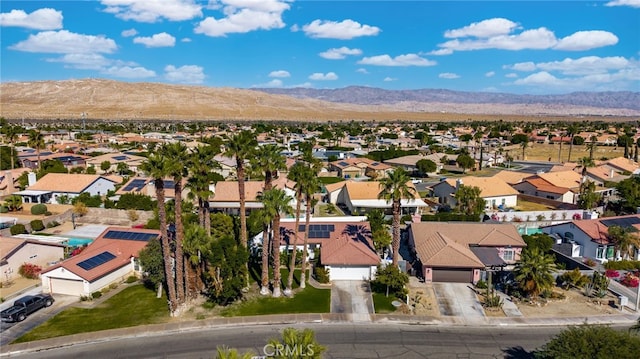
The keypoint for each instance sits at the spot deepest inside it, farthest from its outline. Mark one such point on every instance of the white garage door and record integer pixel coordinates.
(66, 286)
(349, 273)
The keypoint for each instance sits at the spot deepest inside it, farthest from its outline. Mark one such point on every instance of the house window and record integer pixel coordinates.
(504, 201)
(508, 254)
(610, 252)
(600, 252)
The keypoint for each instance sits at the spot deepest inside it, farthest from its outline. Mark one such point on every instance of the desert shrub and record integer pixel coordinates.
(597, 286)
(623, 264)
(30, 270)
(105, 290)
(18, 229)
(37, 225)
(113, 285)
(38, 209)
(321, 274)
(53, 224)
(4, 209)
(131, 279)
(493, 301)
(481, 284)
(85, 298)
(96, 294)
(573, 279)
(589, 262)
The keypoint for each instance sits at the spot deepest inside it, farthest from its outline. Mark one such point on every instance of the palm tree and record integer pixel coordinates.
(196, 242)
(592, 146)
(311, 183)
(534, 271)
(36, 140)
(12, 135)
(276, 202)
(395, 187)
(157, 166)
(304, 340)
(571, 132)
(624, 240)
(266, 233)
(268, 160)
(241, 146)
(231, 353)
(178, 158)
(200, 165)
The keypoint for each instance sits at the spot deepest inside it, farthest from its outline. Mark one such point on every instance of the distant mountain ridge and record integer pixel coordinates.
(362, 95)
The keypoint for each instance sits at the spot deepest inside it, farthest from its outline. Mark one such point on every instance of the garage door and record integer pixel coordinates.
(452, 275)
(349, 273)
(66, 286)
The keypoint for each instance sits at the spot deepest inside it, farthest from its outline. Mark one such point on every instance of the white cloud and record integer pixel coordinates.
(539, 78)
(440, 52)
(511, 75)
(152, 11)
(362, 71)
(83, 61)
(486, 28)
(400, 60)
(272, 83)
(157, 40)
(490, 74)
(329, 76)
(625, 79)
(631, 3)
(279, 73)
(339, 53)
(581, 66)
(190, 74)
(448, 75)
(389, 79)
(539, 39)
(128, 72)
(344, 30)
(586, 40)
(129, 33)
(242, 16)
(65, 42)
(41, 19)
(185, 39)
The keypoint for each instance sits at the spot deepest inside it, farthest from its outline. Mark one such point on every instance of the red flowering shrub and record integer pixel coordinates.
(612, 273)
(30, 271)
(577, 216)
(630, 281)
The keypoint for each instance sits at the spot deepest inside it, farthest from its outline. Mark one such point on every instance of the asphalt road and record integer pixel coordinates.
(388, 340)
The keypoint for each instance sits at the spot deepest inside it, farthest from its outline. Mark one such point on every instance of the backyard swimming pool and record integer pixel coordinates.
(78, 242)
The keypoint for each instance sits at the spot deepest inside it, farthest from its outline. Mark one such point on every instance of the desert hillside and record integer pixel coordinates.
(113, 100)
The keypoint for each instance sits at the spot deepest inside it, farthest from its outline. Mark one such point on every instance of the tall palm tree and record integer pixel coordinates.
(534, 271)
(241, 146)
(298, 173)
(310, 185)
(276, 202)
(36, 140)
(592, 146)
(12, 135)
(266, 233)
(196, 243)
(157, 166)
(624, 240)
(178, 156)
(572, 130)
(269, 161)
(394, 188)
(201, 163)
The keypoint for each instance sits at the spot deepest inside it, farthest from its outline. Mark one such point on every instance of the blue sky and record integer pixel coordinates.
(537, 47)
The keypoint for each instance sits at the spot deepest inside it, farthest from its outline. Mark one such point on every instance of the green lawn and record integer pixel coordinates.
(383, 304)
(330, 180)
(133, 306)
(309, 300)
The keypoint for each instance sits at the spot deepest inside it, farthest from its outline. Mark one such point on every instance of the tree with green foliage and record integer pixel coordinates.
(227, 262)
(542, 241)
(105, 166)
(153, 264)
(591, 146)
(394, 188)
(201, 165)
(534, 272)
(465, 162)
(51, 166)
(36, 141)
(376, 219)
(231, 353)
(13, 203)
(196, 243)
(89, 200)
(11, 134)
(311, 185)
(469, 199)
(295, 344)
(425, 166)
(381, 240)
(390, 280)
(136, 201)
(625, 240)
(588, 197)
(590, 341)
(8, 158)
(571, 131)
(629, 193)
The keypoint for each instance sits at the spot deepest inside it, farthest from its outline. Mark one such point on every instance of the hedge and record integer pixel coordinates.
(37, 225)
(18, 229)
(38, 209)
(624, 265)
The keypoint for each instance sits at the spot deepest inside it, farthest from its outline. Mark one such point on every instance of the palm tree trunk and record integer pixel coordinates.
(166, 251)
(180, 269)
(207, 217)
(292, 262)
(12, 159)
(264, 289)
(305, 247)
(243, 214)
(396, 232)
(276, 256)
(570, 149)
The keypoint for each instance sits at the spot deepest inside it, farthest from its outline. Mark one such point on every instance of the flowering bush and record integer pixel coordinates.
(589, 262)
(630, 281)
(577, 216)
(612, 273)
(30, 271)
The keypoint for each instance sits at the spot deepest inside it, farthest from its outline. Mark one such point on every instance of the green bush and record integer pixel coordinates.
(622, 265)
(38, 209)
(37, 225)
(53, 224)
(321, 274)
(96, 295)
(18, 229)
(481, 284)
(573, 279)
(131, 279)
(4, 209)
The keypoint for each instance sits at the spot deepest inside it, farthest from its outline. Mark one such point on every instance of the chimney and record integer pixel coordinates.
(32, 178)
(611, 173)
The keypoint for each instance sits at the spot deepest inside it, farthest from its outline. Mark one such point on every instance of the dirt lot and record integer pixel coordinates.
(544, 152)
(424, 297)
(574, 305)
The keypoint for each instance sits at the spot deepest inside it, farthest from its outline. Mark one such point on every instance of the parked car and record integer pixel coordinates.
(25, 306)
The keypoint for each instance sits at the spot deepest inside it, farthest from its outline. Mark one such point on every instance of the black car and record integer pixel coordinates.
(24, 306)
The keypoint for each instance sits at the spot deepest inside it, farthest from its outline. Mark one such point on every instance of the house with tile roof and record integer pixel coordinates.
(345, 243)
(131, 161)
(14, 252)
(110, 258)
(360, 167)
(53, 185)
(69, 160)
(623, 165)
(538, 187)
(146, 186)
(226, 197)
(361, 197)
(589, 238)
(462, 251)
(494, 190)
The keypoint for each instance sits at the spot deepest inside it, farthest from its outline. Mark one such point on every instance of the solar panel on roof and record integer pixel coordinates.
(96, 260)
(621, 222)
(169, 184)
(343, 163)
(130, 236)
(375, 163)
(119, 158)
(136, 184)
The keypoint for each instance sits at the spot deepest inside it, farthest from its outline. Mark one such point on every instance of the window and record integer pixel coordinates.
(504, 201)
(508, 254)
(610, 251)
(600, 252)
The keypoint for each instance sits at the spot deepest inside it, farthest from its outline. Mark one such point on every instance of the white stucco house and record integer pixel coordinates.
(53, 185)
(495, 191)
(14, 252)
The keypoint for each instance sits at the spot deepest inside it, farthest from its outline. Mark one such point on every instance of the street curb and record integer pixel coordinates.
(291, 319)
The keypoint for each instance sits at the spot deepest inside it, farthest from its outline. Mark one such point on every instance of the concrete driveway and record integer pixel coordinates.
(352, 297)
(459, 300)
